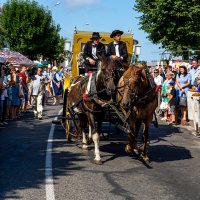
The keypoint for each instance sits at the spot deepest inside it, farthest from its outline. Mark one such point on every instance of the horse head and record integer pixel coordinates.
(134, 84)
(105, 76)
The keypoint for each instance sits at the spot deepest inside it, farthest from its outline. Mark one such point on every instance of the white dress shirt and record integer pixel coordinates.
(94, 52)
(158, 80)
(117, 49)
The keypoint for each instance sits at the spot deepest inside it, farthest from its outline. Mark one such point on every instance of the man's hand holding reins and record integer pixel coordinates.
(91, 61)
(115, 58)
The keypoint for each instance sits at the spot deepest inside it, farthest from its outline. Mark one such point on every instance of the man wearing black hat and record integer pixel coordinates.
(117, 51)
(91, 51)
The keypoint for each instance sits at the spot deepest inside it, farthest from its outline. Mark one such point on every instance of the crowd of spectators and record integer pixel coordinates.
(174, 83)
(23, 86)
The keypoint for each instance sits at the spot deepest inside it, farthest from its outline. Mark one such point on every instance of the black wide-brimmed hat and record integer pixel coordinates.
(95, 35)
(115, 32)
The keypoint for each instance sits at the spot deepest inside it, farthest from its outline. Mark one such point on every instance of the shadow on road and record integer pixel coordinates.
(160, 148)
(22, 158)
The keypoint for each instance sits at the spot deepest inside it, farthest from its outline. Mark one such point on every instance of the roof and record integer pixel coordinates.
(105, 34)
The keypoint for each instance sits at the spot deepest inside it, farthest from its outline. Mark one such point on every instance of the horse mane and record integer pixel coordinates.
(103, 61)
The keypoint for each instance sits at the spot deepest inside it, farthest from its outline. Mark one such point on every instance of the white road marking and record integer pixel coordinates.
(48, 164)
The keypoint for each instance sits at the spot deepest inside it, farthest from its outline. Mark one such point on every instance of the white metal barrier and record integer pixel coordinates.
(190, 105)
(196, 113)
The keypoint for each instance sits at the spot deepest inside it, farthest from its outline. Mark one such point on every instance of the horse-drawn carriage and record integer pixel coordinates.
(129, 104)
(77, 65)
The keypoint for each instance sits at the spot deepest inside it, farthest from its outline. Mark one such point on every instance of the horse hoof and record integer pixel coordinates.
(69, 140)
(128, 149)
(98, 162)
(145, 158)
(135, 152)
(85, 147)
(89, 141)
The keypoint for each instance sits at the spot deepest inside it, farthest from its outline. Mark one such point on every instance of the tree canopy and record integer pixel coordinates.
(172, 23)
(29, 29)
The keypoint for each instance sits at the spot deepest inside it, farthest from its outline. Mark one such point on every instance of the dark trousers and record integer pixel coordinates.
(87, 67)
(3, 115)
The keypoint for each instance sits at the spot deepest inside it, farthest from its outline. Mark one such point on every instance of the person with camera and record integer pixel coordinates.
(37, 90)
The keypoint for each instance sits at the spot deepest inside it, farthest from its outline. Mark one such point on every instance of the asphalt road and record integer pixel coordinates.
(174, 172)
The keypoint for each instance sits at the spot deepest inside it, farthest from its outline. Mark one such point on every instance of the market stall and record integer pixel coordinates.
(15, 58)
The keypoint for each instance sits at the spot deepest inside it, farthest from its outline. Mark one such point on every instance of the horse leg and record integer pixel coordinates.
(95, 137)
(100, 118)
(89, 140)
(135, 138)
(145, 137)
(82, 124)
(129, 146)
(84, 140)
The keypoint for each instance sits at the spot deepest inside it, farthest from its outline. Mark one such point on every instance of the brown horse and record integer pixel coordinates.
(90, 106)
(136, 95)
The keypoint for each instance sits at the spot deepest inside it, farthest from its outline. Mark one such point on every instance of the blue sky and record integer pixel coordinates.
(100, 15)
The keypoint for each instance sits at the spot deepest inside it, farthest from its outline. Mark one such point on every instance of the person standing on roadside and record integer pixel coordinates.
(37, 89)
(57, 85)
(183, 81)
(172, 103)
(158, 81)
(24, 82)
(194, 71)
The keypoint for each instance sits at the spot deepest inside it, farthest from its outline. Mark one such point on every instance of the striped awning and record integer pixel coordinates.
(15, 58)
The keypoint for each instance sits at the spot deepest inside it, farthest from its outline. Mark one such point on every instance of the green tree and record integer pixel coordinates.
(60, 54)
(2, 38)
(172, 23)
(29, 29)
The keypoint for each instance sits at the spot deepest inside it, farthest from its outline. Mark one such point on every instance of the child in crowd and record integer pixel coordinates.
(165, 90)
(172, 103)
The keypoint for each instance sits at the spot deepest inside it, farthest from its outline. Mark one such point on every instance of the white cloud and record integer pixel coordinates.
(80, 3)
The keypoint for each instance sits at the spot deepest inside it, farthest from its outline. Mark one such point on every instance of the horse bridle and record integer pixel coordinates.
(133, 95)
(111, 76)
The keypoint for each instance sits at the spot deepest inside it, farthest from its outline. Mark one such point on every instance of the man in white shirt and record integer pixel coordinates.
(194, 71)
(158, 81)
(92, 49)
(37, 90)
(117, 51)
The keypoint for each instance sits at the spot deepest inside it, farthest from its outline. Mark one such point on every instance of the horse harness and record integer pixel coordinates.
(92, 96)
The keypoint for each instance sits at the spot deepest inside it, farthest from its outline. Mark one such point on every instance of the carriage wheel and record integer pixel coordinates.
(66, 122)
(68, 125)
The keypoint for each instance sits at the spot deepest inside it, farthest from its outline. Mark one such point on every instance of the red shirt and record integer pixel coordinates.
(24, 77)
